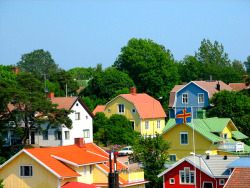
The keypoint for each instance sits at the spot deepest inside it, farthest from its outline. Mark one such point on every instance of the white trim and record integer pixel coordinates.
(182, 133)
(157, 124)
(64, 160)
(170, 181)
(119, 108)
(99, 155)
(220, 182)
(148, 125)
(229, 177)
(199, 98)
(13, 157)
(183, 98)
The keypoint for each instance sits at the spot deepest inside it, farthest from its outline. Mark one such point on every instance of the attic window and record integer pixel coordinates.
(26, 171)
(77, 104)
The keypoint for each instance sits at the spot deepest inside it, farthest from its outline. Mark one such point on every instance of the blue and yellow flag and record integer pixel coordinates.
(183, 116)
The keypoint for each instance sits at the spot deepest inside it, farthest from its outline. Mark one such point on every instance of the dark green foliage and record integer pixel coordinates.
(6, 74)
(105, 84)
(115, 130)
(38, 62)
(238, 66)
(152, 153)
(1, 183)
(247, 65)
(234, 105)
(151, 67)
(60, 80)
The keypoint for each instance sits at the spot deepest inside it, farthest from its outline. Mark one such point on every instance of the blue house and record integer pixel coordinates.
(194, 94)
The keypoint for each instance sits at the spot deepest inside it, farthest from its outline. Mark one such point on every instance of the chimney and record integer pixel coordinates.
(218, 86)
(207, 157)
(245, 77)
(50, 95)
(133, 90)
(80, 142)
(225, 157)
(15, 70)
(210, 78)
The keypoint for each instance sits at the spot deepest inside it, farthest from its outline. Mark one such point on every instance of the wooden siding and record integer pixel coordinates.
(42, 178)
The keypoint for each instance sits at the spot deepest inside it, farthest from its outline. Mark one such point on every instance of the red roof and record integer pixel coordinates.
(240, 178)
(146, 106)
(77, 185)
(63, 102)
(239, 86)
(98, 108)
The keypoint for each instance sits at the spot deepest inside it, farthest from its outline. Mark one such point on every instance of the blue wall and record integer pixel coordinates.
(192, 90)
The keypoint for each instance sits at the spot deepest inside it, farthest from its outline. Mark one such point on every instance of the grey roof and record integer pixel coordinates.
(243, 162)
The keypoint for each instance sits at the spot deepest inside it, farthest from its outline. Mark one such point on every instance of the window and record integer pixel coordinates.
(45, 135)
(85, 170)
(121, 109)
(158, 124)
(224, 135)
(171, 181)
(86, 133)
(133, 110)
(86, 117)
(66, 135)
(186, 176)
(26, 171)
(58, 135)
(201, 98)
(184, 98)
(133, 124)
(172, 157)
(77, 115)
(207, 185)
(91, 169)
(221, 181)
(184, 138)
(146, 125)
(109, 111)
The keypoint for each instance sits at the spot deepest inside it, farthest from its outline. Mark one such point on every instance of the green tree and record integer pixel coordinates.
(38, 62)
(22, 101)
(247, 65)
(152, 153)
(63, 80)
(115, 130)
(150, 65)
(234, 105)
(238, 66)
(216, 62)
(105, 84)
(81, 73)
(6, 74)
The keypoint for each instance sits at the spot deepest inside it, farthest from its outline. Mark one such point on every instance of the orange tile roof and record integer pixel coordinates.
(78, 185)
(63, 102)
(72, 153)
(240, 178)
(98, 108)
(147, 106)
(239, 86)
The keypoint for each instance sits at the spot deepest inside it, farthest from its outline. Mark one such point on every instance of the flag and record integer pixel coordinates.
(183, 116)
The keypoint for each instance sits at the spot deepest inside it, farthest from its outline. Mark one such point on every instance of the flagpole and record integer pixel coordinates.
(192, 122)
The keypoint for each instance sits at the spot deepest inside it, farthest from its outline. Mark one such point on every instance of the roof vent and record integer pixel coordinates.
(207, 157)
(218, 86)
(225, 157)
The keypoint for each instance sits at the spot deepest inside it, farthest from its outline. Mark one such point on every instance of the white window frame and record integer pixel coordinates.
(146, 125)
(133, 111)
(20, 171)
(187, 175)
(77, 116)
(122, 106)
(174, 156)
(199, 101)
(183, 133)
(186, 101)
(221, 182)
(56, 134)
(67, 138)
(158, 124)
(170, 181)
(91, 169)
(84, 170)
(88, 134)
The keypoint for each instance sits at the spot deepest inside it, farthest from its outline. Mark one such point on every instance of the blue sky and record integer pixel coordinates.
(81, 33)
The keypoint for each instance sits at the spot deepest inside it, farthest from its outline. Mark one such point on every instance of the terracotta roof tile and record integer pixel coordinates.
(63, 102)
(147, 106)
(239, 86)
(98, 108)
(78, 185)
(240, 178)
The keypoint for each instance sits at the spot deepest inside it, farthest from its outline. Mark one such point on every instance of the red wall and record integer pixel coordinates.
(174, 173)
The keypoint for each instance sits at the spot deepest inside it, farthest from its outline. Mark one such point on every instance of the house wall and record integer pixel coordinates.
(228, 129)
(192, 90)
(85, 122)
(42, 178)
(174, 173)
(152, 126)
(102, 177)
(173, 136)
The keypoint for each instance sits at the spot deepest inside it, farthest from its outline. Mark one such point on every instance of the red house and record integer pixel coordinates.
(198, 172)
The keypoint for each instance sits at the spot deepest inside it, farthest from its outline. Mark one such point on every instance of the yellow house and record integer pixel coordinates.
(64, 166)
(145, 113)
(213, 136)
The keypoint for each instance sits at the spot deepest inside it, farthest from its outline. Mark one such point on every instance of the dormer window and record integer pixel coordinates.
(184, 98)
(121, 108)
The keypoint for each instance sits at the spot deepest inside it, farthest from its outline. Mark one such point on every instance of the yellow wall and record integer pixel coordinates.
(173, 136)
(228, 129)
(88, 178)
(100, 176)
(113, 107)
(62, 182)
(42, 178)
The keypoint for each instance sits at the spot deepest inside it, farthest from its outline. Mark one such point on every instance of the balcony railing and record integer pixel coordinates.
(234, 147)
